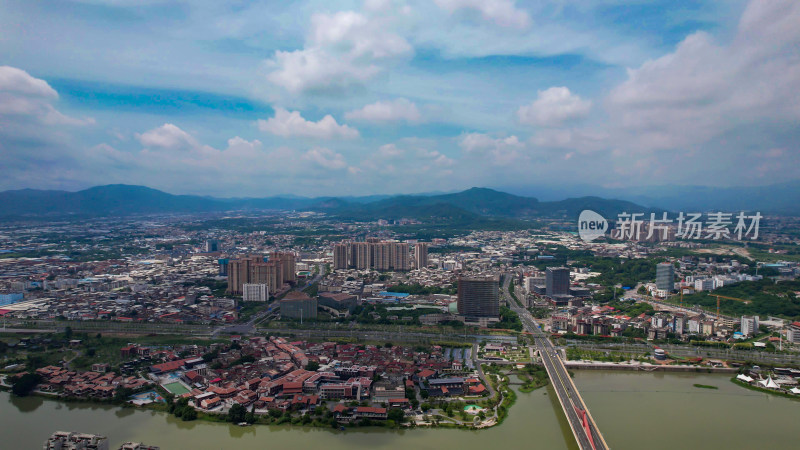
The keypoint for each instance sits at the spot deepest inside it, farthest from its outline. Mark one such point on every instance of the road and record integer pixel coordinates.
(249, 326)
(580, 420)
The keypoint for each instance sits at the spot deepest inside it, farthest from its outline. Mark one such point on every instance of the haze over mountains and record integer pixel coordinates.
(780, 198)
(113, 200)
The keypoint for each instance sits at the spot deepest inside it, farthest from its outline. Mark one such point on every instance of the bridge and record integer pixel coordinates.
(583, 426)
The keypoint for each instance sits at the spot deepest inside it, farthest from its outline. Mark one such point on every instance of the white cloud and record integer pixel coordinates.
(499, 151)
(390, 111)
(292, 124)
(167, 136)
(342, 50)
(20, 82)
(554, 106)
(314, 69)
(704, 88)
(326, 158)
(577, 139)
(501, 12)
(26, 101)
(390, 151)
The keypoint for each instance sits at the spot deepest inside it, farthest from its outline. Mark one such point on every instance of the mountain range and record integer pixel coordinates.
(779, 198)
(117, 200)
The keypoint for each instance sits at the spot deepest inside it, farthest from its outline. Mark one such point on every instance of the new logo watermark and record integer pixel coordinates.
(591, 225)
(633, 226)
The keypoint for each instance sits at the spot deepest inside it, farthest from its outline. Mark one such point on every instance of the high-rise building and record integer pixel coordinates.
(665, 276)
(253, 269)
(479, 297)
(402, 257)
(223, 267)
(420, 255)
(252, 292)
(360, 256)
(557, 281)
(341, 256)
(298, 305)
(212, 245)
(238, 275)
(749, 325)
(288, 265)
(373, 254)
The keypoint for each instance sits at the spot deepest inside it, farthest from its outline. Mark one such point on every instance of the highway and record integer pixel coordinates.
(580, 420)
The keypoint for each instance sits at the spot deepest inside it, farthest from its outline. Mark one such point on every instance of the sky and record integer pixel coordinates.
(260, 98)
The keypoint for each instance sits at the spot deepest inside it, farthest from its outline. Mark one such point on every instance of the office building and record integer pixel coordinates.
(420, 255)
(223, 267)
(212, 245)
(749, 325)
(252, 292)
(665, 277)
(298, 305)
(557, 281)
(479, 298)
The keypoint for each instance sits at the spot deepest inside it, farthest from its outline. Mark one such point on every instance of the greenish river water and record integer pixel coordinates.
(633, 410)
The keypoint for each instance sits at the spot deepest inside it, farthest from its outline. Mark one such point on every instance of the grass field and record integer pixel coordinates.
(176, 388)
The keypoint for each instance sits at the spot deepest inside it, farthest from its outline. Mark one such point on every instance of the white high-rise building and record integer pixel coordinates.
(255, 292)
(749, 325)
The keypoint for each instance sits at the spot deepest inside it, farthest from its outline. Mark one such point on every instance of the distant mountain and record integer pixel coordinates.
(467, 206)
(779, 198)
(110, 200)
(485, 202)
(782, 198)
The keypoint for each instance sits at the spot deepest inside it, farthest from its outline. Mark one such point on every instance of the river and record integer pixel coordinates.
(633, 410)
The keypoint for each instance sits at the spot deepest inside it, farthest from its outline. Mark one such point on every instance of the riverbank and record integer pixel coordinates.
(646, 367)
(764, 390)
(732, 417)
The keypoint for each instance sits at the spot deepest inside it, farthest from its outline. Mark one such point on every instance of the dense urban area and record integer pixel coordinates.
(307, 319)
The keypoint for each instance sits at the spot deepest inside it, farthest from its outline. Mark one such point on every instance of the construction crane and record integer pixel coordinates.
(746, 302)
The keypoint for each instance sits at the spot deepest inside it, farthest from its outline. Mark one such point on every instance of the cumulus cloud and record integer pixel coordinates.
(554, 106)
(167, 136)
(705, 88)
(500, 12)
(499, 151)
(26, 100)
(389, 111)
(342, 50)
(326, 158)
(292, 124)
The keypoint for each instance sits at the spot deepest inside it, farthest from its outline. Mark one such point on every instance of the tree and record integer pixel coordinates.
(396, 414)
(25, 384)
(312, 366)
(189, 414)
(236, 413)
(251, 417)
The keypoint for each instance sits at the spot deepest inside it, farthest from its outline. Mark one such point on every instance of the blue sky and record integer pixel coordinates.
(252, 98)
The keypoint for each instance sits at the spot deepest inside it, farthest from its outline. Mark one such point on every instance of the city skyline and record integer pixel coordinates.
(396, 97)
